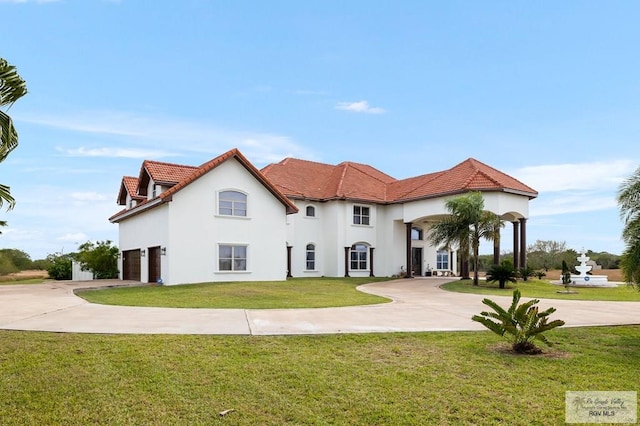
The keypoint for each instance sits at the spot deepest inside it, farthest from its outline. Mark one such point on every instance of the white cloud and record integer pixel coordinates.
(571, 203)
(570, 188)
(88, 196)
(155, 136)
(576, 176)
(361, 106)
(116, 152)
(76, 237)
(19, 234)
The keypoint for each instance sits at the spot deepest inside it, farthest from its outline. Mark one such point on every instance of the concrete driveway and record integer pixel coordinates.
(418, 305)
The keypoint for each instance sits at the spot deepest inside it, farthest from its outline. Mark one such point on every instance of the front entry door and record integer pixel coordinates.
(416, 261)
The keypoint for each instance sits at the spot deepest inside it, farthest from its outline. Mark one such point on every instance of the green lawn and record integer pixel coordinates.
(293, 293)
(546, 290)
(381, 379)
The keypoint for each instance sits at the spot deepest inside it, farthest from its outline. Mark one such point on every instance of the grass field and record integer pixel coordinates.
(382, 379)
(293, 293)
(24, 277)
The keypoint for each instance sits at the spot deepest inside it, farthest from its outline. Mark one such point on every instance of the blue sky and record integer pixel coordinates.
(546, 91)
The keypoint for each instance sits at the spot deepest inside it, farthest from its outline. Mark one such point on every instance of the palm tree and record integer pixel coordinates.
(466, 224)
(484, 228)
(629, 203)
(12, 88)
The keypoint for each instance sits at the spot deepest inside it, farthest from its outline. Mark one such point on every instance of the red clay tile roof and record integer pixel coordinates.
(309, 180)
(212, 164)
(178, 176)
(470, 175)
(300, 179)
(128, 186)
(167, 172)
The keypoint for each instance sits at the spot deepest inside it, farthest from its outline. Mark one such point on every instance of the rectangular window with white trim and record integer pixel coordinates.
(232, 257)
(442, 259)
(361, 215)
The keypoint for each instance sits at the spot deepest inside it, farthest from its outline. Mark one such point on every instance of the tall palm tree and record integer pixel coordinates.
(12, 88)
(466, 224)
(629, 203)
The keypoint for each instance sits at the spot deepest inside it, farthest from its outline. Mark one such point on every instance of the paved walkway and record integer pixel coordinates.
(418, 305)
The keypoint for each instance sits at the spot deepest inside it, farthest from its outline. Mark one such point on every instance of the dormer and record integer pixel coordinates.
(157, 177)
(128, 195)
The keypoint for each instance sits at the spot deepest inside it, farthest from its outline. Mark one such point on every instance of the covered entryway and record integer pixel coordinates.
(154, 265)
(131, 265)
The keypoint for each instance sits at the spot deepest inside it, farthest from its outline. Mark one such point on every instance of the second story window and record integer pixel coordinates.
(310, 211)
(416, 233)
(232, 203)
(361, 215)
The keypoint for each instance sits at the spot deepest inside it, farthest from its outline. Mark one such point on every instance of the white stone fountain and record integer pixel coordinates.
(585, 280)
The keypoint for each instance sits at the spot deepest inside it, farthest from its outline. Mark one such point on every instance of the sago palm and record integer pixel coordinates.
(502, 273)
(523, 324)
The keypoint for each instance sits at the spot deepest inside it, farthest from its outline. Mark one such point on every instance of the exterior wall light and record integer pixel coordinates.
(163, 251)
(143, 253)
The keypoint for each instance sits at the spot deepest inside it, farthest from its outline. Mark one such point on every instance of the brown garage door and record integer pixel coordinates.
(131, 265)
(154, 264)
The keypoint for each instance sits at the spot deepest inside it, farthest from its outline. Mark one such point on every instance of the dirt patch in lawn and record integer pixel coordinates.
(505, 348)
(25, 275)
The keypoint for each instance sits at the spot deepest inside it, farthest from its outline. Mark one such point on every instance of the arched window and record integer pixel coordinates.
(311, 211)
(359, 256)
(232, 203)
(311, 257)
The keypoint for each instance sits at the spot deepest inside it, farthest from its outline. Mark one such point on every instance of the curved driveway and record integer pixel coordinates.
(418, 305)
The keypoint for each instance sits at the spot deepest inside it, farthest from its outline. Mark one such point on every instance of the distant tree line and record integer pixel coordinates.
(101, 258)
(546, 255)
(14, 260)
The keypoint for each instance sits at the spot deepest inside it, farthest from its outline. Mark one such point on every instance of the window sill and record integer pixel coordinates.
(361, 226)
(228, 216)
(232, 272)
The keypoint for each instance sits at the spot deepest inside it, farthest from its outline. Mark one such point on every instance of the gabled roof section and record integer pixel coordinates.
(470, 175)
(128, 186)
(212, 164)
(318, 181)
(166, 174)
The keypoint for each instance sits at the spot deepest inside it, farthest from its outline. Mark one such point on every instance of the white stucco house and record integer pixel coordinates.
(228, 221)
